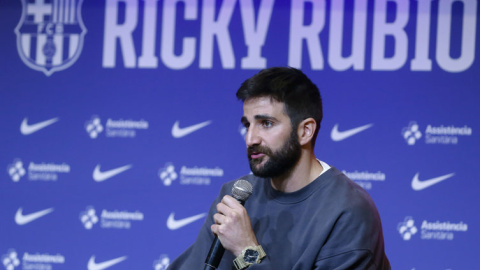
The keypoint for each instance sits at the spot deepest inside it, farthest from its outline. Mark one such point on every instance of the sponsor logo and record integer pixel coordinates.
(32, 260)
(162, 263)
(365, 178)
(22, 219)
(411, 133)
(407, 228)
(167, 174)
(92, 265)
(100, 176)
(10, 260)
(418, 184)
(435, 134)
(37, 171)
(88, 217)
(173, 224)
(27, 129)
(94, 127)
(50, 34)
(115, 128)
(110, 219)
(437, 230)
(178, 132)
(16, 170)
(188, 175)
(337, 135)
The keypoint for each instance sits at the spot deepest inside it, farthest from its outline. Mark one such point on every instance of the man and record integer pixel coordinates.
(303, 213)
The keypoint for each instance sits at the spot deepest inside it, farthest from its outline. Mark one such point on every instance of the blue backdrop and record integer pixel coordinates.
(119, 120)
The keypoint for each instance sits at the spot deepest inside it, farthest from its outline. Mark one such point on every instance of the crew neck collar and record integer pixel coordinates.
(301, 194)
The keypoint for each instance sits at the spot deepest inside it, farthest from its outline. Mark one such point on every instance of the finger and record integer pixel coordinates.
(218, 230)
(231, 207)
(230, 202)
(223, 208)
(218, 218)
(228, 214)
(214, 228)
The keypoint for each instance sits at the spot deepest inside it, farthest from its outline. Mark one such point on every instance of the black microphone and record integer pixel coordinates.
(241, 191)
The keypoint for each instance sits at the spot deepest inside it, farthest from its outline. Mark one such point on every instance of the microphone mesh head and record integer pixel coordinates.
(242, 189)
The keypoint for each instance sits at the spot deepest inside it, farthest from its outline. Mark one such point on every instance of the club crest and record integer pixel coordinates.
(50, 34)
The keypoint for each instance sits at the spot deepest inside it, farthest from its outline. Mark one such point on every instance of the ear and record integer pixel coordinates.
(305, 131)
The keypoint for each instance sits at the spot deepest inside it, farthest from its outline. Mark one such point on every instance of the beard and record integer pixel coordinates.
(280, 162)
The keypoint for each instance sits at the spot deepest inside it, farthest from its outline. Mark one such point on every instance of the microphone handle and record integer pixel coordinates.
(217, 251)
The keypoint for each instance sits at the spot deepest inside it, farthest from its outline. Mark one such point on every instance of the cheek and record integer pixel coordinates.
(277, 140)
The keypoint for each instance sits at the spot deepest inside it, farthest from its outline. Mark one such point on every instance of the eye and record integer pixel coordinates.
(267, 123)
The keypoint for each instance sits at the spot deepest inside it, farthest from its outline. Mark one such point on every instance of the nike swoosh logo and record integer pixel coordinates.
(27, 129)
(100, 176)
(418, 184)
(103, 265)
(173, 224)
(22, 219)
(178, 132)
(342, 135)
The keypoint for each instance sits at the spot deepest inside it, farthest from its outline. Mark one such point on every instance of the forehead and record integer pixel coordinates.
(253, 107)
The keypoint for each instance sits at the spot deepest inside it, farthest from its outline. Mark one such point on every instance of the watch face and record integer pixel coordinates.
(250, 256)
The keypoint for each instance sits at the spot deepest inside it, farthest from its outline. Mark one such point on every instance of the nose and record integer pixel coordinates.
(252, 137)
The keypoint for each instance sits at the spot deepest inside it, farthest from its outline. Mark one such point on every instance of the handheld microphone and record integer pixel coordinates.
(241, 191)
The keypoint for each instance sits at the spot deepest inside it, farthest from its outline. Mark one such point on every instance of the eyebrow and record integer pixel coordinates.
(258, 117)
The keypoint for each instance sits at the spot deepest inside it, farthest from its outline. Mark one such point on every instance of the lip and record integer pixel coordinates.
(256, 155)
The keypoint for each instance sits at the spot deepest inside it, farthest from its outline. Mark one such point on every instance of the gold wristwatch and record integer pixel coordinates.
(249, 256)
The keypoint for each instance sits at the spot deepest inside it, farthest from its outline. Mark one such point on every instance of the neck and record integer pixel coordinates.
(303, 173)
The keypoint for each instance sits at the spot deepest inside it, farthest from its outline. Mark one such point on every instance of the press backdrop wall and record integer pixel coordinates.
(119, 121)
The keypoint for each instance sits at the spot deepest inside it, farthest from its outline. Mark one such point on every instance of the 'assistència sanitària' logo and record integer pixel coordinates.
(430, 230)
(433, 134)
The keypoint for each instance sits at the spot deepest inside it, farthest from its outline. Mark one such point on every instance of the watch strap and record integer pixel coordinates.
(261, 253)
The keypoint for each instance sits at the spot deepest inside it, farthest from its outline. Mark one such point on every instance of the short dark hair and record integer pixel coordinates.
(290, 86)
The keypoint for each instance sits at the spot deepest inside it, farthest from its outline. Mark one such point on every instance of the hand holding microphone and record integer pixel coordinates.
(232, 225)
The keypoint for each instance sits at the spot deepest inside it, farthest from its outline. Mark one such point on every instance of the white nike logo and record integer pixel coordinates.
(27, 129)
(417, 184)
(22, 219)
(178, 132)
(173, 224)
(100, 176)
(103, 265)
(342, 135)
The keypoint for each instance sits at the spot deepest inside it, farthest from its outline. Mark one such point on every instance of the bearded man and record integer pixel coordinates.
(303, 213)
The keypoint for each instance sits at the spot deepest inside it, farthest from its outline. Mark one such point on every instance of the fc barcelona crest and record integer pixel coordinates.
(50, 34)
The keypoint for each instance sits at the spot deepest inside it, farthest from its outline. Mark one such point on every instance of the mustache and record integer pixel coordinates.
(258, 149)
